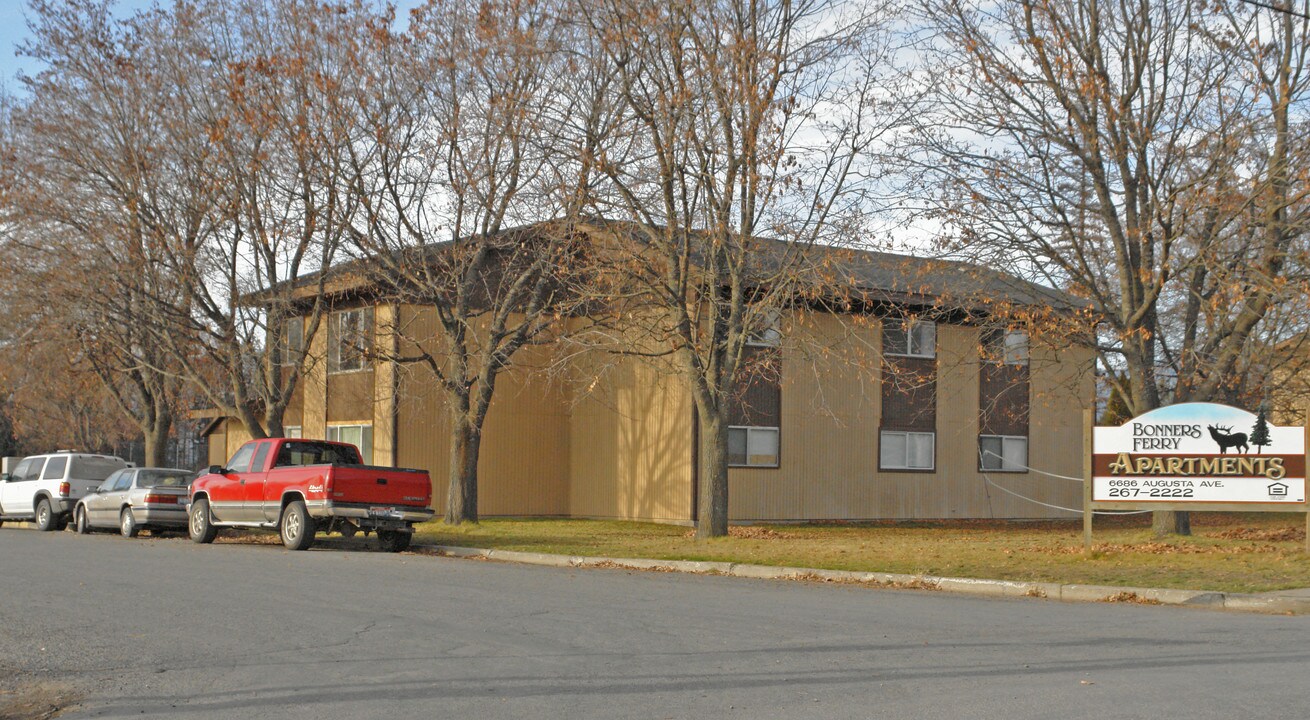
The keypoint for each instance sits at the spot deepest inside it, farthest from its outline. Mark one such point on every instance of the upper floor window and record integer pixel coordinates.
(1008, 347)
(911, 338)
(767, 331)
(350, 338)
(293, 340)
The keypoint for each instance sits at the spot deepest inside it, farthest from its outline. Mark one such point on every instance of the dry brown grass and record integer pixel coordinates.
(1242, 553)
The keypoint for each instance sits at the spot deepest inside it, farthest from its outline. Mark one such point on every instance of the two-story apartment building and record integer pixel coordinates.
(914, 406)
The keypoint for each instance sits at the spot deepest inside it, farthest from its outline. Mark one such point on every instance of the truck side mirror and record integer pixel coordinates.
(216, 470)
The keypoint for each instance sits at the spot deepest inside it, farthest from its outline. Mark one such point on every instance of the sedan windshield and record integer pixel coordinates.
(163, 478)
(95, 468)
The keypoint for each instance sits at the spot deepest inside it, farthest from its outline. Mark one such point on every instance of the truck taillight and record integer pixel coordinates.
(64, 489)
(161, 499)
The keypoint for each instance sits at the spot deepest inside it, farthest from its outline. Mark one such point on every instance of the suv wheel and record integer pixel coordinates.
(297, 526)
(201, 523)
(127, 524)
(45, 516)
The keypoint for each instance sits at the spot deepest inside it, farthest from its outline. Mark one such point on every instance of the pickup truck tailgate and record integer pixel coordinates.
(379, 486)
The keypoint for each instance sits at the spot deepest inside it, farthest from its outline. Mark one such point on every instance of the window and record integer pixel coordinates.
(906, 450)
(1003, 453)
(1008, 347)
(261, 457)
(28, 469)
(912, 338)
(767, 332)
(240, 462)
(94, 467)
(753, 446)
(122, 481)
(350, 338)
(361, 436)
(54, 469)
(298, 454)
(293, 336)
(293, 431)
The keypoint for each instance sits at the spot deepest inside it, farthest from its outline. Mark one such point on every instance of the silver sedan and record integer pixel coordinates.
(135, 498)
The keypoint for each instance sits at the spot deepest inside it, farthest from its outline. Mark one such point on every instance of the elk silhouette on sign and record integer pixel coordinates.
(1226, 438)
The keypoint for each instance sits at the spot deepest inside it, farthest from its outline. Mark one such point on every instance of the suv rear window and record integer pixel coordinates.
(294, 454)
(95, 468)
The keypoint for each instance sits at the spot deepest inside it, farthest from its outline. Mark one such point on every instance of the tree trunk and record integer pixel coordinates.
(465, 443)
(1170, 522)
(156, 441)
(712, 501)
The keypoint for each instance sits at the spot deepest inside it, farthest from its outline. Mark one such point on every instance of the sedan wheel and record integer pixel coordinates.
(297, 526)
(79, 521)
(127, 524)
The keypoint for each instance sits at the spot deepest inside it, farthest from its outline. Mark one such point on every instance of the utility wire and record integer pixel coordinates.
(1286, 11)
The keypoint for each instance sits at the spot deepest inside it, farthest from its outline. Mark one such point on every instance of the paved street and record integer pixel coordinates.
(165, 628)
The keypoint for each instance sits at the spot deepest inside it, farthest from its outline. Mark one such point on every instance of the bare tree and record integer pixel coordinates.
(1117, 151)
(81, 150)
(256, 198)
(454, 157)
(741, 120)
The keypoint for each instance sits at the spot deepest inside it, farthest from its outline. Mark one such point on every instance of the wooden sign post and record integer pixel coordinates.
(1194, 457)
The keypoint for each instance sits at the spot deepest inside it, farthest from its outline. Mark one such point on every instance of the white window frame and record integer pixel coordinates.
(1008, 347)
(982, 458)
(882, 435)
(770, 332)
(336, 336)
(908, 326)
(291, 353)
(777, 458)
(294, 431)
(365, 449)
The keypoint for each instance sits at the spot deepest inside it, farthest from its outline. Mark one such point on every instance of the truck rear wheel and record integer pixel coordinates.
(393, 540)
(201, 523)
(297, 526)
(45, 516)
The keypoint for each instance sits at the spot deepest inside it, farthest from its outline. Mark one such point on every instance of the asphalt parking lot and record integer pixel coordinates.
(164, 628)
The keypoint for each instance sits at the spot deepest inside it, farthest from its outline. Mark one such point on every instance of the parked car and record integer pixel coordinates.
(136, 498)
(303, 487)
(45, 488)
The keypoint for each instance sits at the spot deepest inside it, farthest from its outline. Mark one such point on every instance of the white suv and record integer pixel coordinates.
(44, 488)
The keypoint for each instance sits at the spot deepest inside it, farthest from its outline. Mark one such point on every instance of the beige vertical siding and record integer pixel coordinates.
(237, 435)
(631, 445)
(218, 445)
(524, 462)
(829, 445)
(314, 386)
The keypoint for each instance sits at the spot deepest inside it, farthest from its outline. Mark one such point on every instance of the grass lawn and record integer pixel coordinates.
(1232, 552)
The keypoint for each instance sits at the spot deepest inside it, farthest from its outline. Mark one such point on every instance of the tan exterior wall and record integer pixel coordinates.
(616, 441)
(524, 462)
(314, 387)
(829, 437)
(631, 446)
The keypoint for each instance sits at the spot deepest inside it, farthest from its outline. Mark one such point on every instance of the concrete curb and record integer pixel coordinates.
(1271, 603)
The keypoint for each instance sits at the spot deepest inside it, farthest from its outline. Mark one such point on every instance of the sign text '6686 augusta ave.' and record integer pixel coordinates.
(1199, 453)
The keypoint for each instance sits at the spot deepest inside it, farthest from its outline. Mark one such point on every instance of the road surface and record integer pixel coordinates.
(164, 628)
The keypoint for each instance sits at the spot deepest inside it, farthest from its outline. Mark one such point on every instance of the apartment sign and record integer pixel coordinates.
(1198, 453)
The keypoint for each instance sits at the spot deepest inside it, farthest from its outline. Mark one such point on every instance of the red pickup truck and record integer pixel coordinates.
(303, 487)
